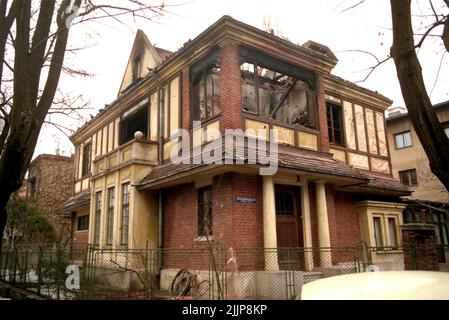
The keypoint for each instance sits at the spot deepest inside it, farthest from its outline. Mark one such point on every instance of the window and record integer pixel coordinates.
(83, 223)
(136, 67)
(32, 191)
(284, 203)
(137, 121)
(446, 130)
(439, 219)
(392, 230)
(110, 226)
(206, 89)
(408, 177)
(87, 151)
(334, 123)
(124, 223)
(205, 211)
(275, 95)
(403, 140)
(98, 204)
(378, 232)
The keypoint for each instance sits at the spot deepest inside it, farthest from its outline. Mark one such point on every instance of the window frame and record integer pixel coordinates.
(409, 172)
(145, 107)
(124, 236)
(338, 107)
(85, 225)
(201, 214)
(110, 216)
(378, 238)
(97, 222)
(86, 160)
(403, 141)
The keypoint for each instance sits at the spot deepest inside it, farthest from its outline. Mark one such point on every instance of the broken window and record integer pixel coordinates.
(137, 121)
(206, 91)
(278, 96)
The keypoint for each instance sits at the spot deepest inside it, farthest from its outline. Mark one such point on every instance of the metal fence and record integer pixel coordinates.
(206, 273)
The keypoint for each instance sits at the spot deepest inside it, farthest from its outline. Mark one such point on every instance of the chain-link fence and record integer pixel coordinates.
(39, 269)
(206, 273)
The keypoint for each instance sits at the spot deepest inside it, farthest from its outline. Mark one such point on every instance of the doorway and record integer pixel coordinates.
(289, 226)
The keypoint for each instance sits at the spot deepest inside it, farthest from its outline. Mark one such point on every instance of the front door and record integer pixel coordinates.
(288, 226)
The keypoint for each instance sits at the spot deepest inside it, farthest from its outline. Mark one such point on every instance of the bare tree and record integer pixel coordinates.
(34, 38)
(406, 42)
(422, 114)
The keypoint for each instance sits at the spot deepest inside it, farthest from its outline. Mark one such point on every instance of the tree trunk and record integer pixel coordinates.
(422, 114)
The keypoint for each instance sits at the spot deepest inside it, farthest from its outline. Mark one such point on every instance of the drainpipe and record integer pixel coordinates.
(160, 161)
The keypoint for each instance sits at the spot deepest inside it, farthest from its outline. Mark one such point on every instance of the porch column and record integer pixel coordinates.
(323, 225)
(269, 224)
(306, 224)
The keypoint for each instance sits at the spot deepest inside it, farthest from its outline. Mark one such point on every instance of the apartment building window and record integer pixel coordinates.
(98, 204)
(334, 123)
(83, 223)
(110, 226)
(136, 121)
(205, 211)
(124, 221)
(87, 154)
(377, 221)
(408, 177)
(284, 203)
(392, 229)
(403, 140)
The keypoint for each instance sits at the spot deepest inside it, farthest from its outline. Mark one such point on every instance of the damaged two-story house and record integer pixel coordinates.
(333, 184)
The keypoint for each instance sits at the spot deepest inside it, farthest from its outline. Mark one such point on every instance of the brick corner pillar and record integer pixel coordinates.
(321, 114)
(186, 99)
(422, 238)
(230, 87)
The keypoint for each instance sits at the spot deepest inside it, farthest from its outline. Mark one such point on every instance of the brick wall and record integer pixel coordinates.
(186, 99)
(347, 221)
(422, 238)
(230, 90)
(321, 107)
(53, 177)
(236, 225)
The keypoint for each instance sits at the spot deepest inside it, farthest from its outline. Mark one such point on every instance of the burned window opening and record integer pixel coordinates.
(206, 93)
(138, 121)
(279, 96)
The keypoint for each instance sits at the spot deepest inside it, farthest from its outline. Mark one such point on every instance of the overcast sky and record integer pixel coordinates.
(366, 27)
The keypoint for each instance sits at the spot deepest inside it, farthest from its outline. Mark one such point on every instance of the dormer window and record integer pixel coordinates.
(136, 67)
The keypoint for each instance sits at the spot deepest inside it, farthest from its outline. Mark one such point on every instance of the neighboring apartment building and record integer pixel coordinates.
(49, 185)
(411, 167)
(333, 186)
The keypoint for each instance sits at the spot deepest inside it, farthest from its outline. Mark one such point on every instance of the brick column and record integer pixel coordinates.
(186, 123)
(321, 108)
(230, 87)
(422, 237)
